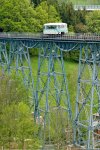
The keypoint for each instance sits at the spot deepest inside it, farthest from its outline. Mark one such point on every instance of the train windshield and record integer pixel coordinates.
(51, 27)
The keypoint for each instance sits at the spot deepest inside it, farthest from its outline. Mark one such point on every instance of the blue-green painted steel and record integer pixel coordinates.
(52, 91)
(14, 58)
(19, 61)
(3, 57)
(87, 119)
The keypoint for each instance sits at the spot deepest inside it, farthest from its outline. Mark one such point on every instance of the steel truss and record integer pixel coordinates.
(3, 57)
(19, 61)
(15, 59)
(87, 119)
(52, 106)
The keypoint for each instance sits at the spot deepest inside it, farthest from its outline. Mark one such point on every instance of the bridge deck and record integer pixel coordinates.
(39, 37)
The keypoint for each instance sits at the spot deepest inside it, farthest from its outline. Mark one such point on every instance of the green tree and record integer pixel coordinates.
(81, 28)
(53, 3)
(17, 15)
(67, 13)
(16, 121)
(80, 16)
(26, 128)
(46, 14)
(37, 2)
(50, 2)
(8, 125)
(93, 21)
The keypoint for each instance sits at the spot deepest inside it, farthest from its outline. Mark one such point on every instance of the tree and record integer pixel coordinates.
(93, 21)
(26, 128)
(36, 2)
(17, 15)
(81, 16)
(67, 13)
(8, 126)
(16, 120)
(53, 3)
(49, 2)
(81, 28)
(46, 14)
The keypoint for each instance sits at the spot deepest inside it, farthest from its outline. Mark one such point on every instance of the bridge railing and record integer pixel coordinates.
(87, 7)
(72, 36)
(19, 35)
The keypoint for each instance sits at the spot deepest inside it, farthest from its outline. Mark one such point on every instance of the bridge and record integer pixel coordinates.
(51, 95)
(87, 7)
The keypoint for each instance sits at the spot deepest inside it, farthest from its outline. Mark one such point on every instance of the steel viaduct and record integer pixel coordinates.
(52, 87)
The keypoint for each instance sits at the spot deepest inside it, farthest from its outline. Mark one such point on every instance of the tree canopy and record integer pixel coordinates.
(93, 21)
(17, 15)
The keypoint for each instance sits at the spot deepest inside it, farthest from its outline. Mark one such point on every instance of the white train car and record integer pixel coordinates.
(55, 29)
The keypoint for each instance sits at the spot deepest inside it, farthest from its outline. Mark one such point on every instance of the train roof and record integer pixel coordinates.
(59, 23)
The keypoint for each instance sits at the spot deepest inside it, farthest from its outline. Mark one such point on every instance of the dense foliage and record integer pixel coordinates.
(16, 120)
(93, 21)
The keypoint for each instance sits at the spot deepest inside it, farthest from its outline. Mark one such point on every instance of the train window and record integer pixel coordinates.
(51, 27)
(62, 26)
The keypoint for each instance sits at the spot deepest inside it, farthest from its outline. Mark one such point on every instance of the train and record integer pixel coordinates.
(55, 29)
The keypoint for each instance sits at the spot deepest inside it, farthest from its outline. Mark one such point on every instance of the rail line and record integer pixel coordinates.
(73, 37)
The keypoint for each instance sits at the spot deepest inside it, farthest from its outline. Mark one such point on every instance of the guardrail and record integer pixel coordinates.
(87, 7)
(16, 35)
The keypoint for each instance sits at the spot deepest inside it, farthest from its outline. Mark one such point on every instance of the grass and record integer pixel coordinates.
(82, 2)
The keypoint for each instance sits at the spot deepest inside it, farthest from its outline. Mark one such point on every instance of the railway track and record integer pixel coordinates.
(78, 36)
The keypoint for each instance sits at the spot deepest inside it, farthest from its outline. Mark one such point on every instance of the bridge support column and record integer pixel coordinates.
(19, 64)
(52, 106)
(3, 57)
(87, 119)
